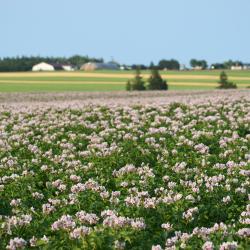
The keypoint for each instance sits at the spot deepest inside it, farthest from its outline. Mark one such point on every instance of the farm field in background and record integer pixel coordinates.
(112, 80)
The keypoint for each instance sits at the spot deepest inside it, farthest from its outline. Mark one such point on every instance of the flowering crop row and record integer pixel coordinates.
(154, 177)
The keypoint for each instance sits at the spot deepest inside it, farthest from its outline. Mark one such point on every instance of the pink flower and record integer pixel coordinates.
(16, 243)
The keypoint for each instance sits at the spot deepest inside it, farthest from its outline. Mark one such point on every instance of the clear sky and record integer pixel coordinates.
(130, 31)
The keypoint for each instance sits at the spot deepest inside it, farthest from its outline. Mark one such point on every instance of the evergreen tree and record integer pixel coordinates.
(128, 86)
(224, 83)
(151, 66)
(137, 82)
(156, 82)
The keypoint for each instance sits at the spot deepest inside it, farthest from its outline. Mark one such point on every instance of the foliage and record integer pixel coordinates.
(224, 83)
(228, 64)
(169, 64)
(155, 82)
(126, 177)
(151, 65)
(218, 66)
(137, 83)
(140, 66)
(198, 63)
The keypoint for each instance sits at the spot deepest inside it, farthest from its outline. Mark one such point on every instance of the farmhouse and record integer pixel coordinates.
(98, 66)
(236, 67)
(246, 66)
(68, 67)
(198, 68)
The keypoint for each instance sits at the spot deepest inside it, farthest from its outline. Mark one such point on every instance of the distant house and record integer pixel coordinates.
(90, 66)
(125, 67)
(246, 66)
(68, 67)
(43, 66)
(57, 66)
(236, 67)
(197, 68)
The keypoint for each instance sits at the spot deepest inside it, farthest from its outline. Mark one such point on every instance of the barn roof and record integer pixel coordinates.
(95, 65)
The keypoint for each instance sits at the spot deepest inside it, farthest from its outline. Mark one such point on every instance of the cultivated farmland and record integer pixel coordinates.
(112, 80)
(153, 170)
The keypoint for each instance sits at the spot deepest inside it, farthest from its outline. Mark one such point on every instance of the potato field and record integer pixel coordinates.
(127, 171)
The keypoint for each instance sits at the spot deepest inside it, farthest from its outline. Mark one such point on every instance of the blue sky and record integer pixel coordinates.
(131, 31)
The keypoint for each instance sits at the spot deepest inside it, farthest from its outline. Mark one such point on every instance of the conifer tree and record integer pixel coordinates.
(137, 82)
(156, 82)
(224, 83)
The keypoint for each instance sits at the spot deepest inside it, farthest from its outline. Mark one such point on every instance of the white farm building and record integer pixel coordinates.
(236, 67)
(43, 67)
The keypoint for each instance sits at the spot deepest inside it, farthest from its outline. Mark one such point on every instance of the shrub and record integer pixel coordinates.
(224, 83)
(156, 82)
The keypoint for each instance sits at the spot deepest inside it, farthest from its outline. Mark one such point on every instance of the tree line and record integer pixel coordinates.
(174, 64)
(171, 64)
(26, 63)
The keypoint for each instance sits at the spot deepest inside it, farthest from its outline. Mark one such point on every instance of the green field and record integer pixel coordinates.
(112, 80)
